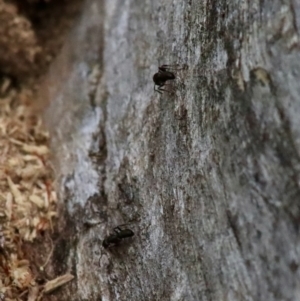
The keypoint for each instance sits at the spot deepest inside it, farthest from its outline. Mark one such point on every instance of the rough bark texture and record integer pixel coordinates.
(207, 176)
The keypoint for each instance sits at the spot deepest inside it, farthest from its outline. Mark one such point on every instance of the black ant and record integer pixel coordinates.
(164, 74)
(116, 237)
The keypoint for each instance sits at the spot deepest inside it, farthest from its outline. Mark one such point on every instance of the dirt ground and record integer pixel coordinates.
(31, 35)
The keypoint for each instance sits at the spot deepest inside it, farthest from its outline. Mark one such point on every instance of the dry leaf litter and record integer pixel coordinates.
(27, 198)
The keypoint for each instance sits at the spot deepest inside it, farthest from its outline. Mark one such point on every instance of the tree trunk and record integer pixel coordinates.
(207, 176)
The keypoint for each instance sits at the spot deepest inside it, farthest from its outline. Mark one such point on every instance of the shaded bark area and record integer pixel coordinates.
(31, 35)
(207, 176)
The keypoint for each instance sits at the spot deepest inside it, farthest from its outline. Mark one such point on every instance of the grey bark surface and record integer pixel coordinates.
(206, 176)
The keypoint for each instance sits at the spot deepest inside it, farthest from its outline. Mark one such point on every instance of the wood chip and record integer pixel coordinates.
(15, 191)
(33, 293)
(34, 149)
(37, 200)
(52, 285)
(27, 196)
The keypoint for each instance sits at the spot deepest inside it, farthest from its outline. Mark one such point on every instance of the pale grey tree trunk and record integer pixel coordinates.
(206, 176)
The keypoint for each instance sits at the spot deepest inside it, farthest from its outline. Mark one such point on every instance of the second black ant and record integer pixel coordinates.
(165, 73)
(116, 238)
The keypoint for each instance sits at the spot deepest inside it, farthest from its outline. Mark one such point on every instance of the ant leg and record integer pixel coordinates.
(123, 225)
(165, 90)
(162, 69)
(117, 229)
(160, 89)
(156, 90)
(169, 67)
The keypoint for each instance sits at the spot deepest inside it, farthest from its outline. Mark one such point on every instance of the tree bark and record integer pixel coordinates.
(207, 176)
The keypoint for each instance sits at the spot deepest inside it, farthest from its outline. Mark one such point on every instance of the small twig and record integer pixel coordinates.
(49, 256)
(52, 285)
